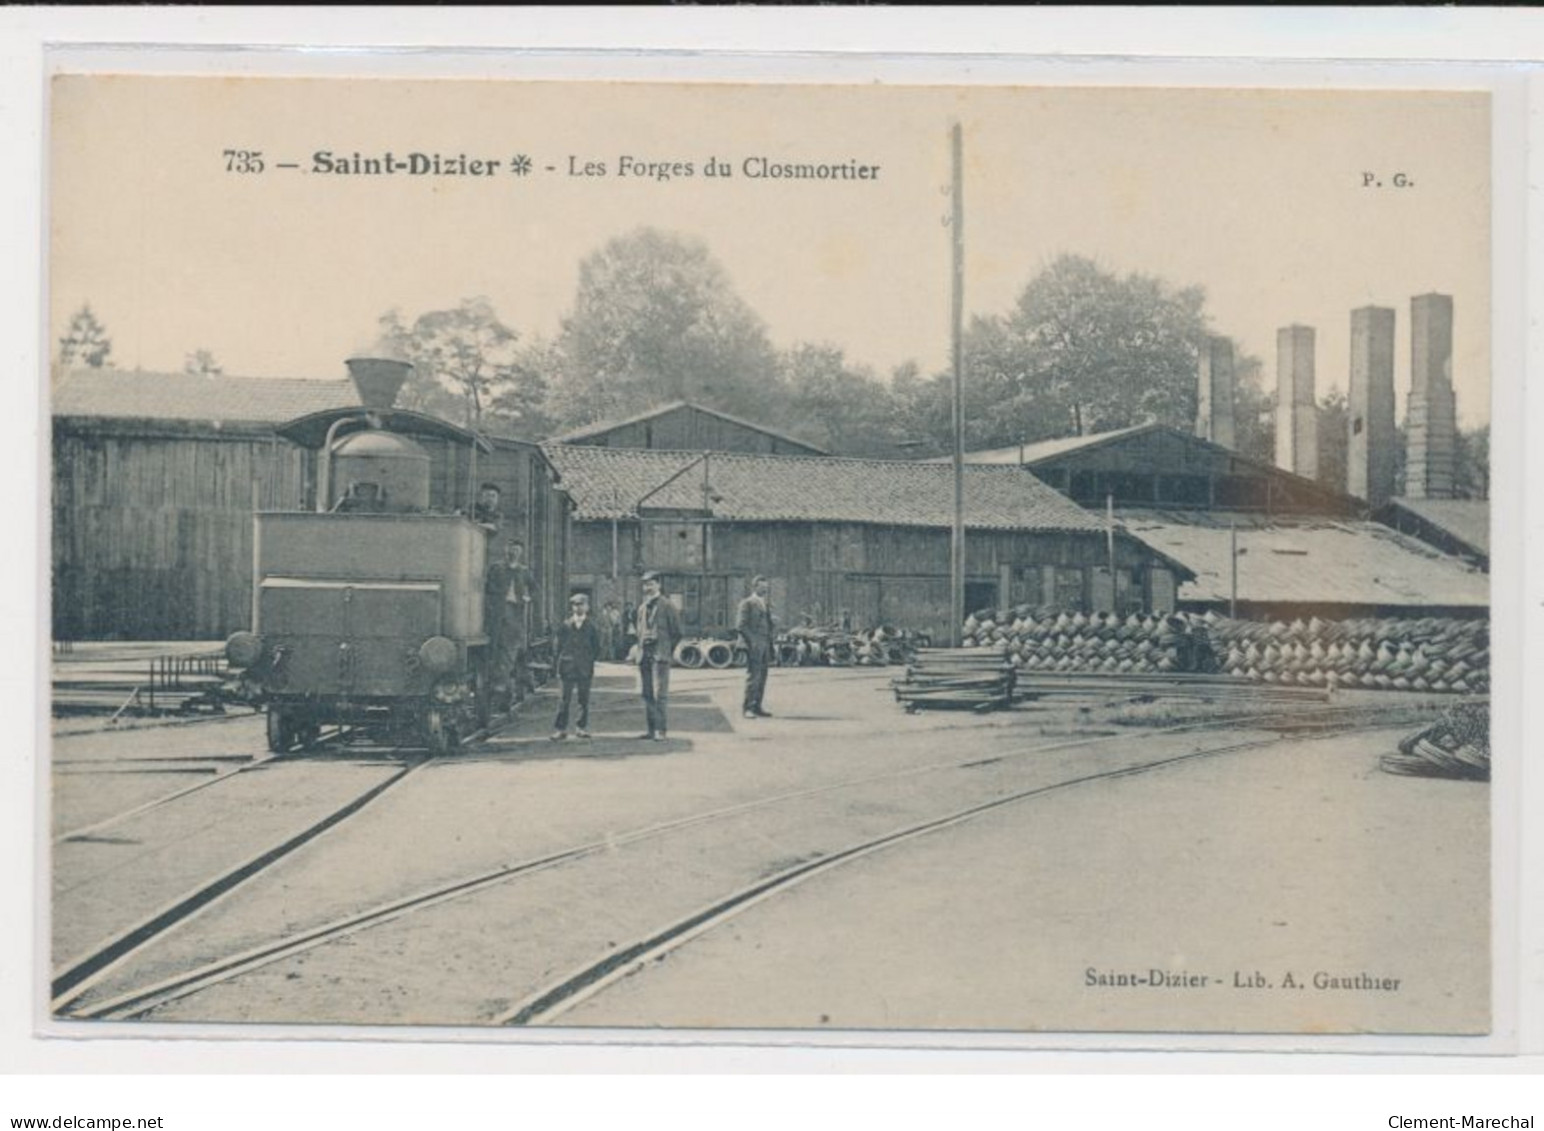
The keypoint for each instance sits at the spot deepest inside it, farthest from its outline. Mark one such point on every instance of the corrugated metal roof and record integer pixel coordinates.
(1467, 520)
(602, 427)
(1308, 561)
(134, 394)
(1045, 449)
(608, 483)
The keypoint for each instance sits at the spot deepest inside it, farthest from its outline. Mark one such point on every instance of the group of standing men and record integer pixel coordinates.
(580, 641)
(657, 625)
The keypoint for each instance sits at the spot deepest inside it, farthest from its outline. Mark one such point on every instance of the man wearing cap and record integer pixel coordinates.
(754, 624)
(578, 645)
(486, 512)
(659, 631)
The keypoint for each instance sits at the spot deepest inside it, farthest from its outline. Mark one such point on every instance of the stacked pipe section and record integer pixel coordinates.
(1428, 654)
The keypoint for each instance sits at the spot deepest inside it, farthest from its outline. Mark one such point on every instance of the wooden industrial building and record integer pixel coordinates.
(682, 426)
(1259, 540)
(1155, 465)
(156, 477)
(1455, 526)
(866, 538)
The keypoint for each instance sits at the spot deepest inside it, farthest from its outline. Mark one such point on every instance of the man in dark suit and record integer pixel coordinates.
(578, 645)
(754, 624)
(659, 631)
(507, 593)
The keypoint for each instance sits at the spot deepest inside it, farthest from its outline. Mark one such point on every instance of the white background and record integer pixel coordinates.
(69, 1077)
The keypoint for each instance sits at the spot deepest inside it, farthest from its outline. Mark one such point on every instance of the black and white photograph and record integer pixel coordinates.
(978, 562)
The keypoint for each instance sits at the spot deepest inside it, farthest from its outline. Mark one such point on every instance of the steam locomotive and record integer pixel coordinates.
(368, 609)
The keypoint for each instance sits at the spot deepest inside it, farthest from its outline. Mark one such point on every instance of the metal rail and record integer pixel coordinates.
(588, 981)
(139, 1001)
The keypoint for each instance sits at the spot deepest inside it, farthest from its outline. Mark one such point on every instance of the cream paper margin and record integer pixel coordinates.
(741, 67)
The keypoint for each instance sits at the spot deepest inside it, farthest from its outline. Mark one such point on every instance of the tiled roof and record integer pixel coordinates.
(1308, 561)
(122, 393)
(601, 427)
(609, 483)
(1467, 520)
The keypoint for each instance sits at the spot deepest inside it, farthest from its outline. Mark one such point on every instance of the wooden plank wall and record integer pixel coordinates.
(152, 531)
(152, 535)
(881, 575)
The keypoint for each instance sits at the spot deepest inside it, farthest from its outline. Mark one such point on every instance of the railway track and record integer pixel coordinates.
(551, 1001)
(541, 1006)
(330, 741)
(79, 974)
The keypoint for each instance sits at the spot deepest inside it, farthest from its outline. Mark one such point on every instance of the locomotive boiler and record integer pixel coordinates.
(367, 610)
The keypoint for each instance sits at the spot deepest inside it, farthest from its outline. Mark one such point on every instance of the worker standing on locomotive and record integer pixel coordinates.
(486, 512)
(659, 631)
(507, 599)
(517, 616)
(578, 646)
(754, 624)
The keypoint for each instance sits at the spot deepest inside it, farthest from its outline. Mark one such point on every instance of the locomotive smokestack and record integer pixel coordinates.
(378, 379)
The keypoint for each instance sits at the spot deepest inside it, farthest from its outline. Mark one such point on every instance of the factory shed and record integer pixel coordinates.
(867, 537)
(684, 426)
(1305, 549)
(1307, 566)
(156, 476)
(1454, 526)
(1159, 465)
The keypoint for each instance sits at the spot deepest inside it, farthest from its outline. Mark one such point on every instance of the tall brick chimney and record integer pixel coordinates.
(1431, 416)
(1214, 401)
(1371, 439)
(1297, 417)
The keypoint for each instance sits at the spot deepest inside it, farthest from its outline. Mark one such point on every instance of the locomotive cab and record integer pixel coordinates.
(367, 609)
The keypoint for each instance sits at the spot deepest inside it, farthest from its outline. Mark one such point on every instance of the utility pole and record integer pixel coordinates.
(1109, 540)
(957, 314)
(1233, 559)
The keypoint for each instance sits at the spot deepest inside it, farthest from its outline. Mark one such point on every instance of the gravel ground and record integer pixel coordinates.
(1301, 858)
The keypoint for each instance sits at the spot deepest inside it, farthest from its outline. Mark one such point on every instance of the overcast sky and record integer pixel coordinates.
(1257, 196)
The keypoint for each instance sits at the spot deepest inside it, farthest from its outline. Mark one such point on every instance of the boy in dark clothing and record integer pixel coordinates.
(578, 646)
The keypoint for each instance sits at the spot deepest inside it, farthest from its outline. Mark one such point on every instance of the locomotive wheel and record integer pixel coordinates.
(281, 733)
(482, 696)
(438, 732)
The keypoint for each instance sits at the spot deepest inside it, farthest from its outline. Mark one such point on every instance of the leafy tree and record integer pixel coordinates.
(1334, 440)
(1471, 462)
(1401, 457)
(1254, 409)
(656, 319)
(1471, 470)
(842, 407)
(1082, 350)
(523, 402)
(85, 341)
(1098, 350)
(201, 363)
(920, 403)
(468, 367)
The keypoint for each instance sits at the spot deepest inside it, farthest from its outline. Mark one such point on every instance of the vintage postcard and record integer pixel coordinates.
(994, 562)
